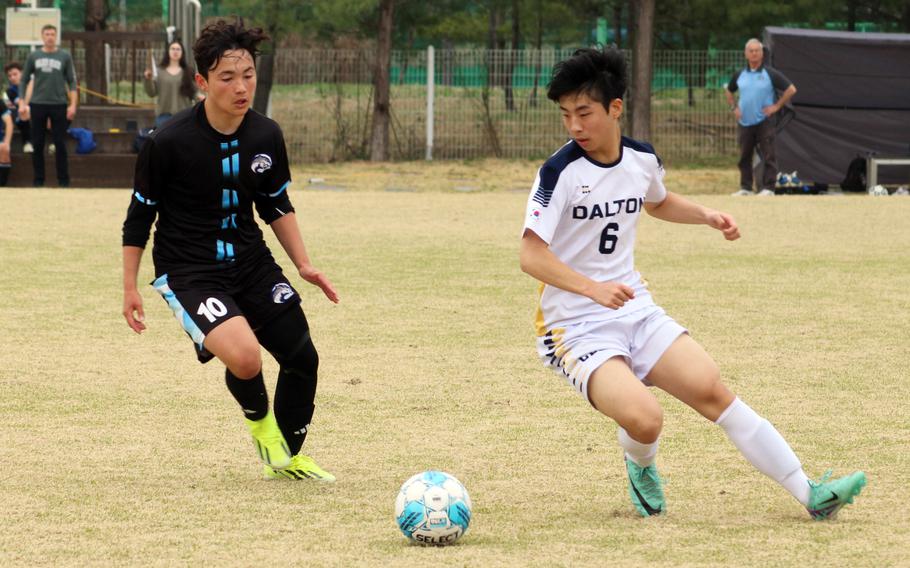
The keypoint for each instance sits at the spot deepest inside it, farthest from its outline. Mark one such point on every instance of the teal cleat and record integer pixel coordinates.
(827, 497)
(645, 489)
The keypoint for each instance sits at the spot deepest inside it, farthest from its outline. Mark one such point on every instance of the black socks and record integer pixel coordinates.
(250, 394)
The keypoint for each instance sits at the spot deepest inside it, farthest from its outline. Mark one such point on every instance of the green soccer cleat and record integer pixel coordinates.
(827, 497)
(645, 489)
(302, 467)
(267, 438)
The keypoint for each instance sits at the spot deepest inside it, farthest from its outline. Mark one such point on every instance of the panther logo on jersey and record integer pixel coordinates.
(281, 293)
(261, 163)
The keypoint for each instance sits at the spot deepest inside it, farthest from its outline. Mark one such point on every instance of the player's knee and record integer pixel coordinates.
(646, 425)
(711, 391)
(303, 362)
(245, 364)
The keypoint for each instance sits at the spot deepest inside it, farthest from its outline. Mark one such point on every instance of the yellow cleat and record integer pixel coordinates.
(269, 442)
(302, 467)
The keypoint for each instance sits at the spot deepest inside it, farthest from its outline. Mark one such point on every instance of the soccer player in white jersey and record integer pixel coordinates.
(598, 326)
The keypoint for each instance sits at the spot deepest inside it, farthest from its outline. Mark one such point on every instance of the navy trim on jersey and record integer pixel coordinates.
(641, 147)
(552, 168)
(603, 165)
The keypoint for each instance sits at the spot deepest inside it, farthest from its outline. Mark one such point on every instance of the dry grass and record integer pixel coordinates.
(479, 175)
(122, 450)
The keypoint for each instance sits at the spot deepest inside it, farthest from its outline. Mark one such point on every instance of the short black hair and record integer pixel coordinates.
(598, 73)
(12, 65)
(223, 36)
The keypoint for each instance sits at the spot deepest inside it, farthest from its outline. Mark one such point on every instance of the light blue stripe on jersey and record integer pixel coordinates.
(189, 326)
(225, 167)
(143, 200)
(229, 197)
(225, 250)
(283, 187)
(235, 143)
(235, 165)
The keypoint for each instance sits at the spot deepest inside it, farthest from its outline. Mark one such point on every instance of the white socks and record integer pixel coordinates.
(641, 454)
(763, 446)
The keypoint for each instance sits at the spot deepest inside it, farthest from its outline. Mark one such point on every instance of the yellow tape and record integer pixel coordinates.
(113, 100)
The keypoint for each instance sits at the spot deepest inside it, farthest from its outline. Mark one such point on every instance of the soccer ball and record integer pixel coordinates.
(433, 508)
(878, 190)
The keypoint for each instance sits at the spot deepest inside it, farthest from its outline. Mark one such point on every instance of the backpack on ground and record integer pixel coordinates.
(855, 180)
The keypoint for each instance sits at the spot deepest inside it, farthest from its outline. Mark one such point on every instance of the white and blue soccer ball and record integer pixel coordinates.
(433, 508)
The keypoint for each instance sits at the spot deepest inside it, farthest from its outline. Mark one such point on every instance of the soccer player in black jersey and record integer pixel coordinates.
(200, 175)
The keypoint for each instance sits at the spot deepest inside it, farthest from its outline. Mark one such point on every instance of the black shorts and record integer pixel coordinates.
(202, 300)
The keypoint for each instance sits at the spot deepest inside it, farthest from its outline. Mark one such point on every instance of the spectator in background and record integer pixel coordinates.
(53, 96)
(13, 72)
(757, 85)
(172, 82)
(6, 136)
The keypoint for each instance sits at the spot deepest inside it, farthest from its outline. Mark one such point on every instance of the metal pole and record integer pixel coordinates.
(107, 65)
(197, 21)
(431, 94)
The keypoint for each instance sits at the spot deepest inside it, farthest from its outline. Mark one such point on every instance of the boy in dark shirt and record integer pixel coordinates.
(200, 175)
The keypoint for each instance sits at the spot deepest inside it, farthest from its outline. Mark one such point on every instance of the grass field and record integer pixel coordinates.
(122, 450)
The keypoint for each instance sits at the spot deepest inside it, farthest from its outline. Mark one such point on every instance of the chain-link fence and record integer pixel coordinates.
(487, 103)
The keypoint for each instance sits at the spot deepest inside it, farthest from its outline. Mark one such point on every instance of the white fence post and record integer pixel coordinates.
(431, 94)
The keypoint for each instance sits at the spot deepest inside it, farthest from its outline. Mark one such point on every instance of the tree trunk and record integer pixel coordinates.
(513, 54)
(538, 41)
(96, 13)
(265, 65)
(492, 42)
(641, 69)
(630, 41)
(617, 24)
(379, 142)
(265, 70)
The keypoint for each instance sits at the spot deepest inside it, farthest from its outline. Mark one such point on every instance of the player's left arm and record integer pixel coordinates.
(288, 233)
(780, 83)
(677, 209)
(7, 132)
(70, 77)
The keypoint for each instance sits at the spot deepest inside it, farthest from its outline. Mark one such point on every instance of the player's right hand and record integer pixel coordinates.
(613, 295)
(132, 310)
(147, 74)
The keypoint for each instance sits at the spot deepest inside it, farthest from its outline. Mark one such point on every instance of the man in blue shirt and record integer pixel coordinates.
(758, 85)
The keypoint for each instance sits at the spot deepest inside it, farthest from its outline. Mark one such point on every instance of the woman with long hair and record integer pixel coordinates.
(171, 82)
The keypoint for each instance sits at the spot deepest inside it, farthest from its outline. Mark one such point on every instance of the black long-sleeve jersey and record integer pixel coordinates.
(201, 185)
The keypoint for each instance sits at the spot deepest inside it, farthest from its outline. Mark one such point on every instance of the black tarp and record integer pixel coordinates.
(853, 98)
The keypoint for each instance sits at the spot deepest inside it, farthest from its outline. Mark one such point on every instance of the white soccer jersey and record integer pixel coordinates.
(588, 213)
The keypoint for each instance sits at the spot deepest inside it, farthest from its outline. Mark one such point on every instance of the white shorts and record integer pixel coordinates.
(576, 351)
